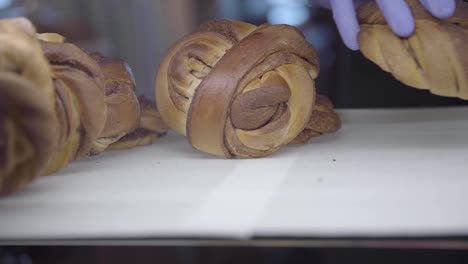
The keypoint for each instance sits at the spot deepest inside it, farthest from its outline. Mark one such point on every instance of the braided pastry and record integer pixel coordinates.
(237, 90)
(28, 123)
(96, 102)
(80, 101)
(434, 58)
(59, 103)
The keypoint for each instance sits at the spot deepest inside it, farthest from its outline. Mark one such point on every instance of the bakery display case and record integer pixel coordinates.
(376, 162)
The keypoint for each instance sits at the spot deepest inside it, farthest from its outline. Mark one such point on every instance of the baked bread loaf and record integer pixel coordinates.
(237, 90)
(434, 58)
(58, 104)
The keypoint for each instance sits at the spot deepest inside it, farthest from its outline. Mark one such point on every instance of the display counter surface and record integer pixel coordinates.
(386, 174)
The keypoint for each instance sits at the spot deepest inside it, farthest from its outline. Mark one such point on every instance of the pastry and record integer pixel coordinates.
(80, 102)
(96, 103)
(59, 103)
(237, 90)
(434, 58)
(28, 123)
(150, 127)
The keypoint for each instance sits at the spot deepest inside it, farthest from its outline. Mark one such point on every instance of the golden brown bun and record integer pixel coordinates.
(434, 58)
(27, 116)
(237, 90)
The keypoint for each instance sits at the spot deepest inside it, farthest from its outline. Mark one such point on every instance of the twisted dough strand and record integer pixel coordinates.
(434, 58)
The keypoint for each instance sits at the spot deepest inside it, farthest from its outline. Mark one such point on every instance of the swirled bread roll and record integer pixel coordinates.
(237, 90)
(28, 124)
(434, 58)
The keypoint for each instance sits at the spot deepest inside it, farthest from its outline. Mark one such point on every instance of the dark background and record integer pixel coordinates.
(229, 255)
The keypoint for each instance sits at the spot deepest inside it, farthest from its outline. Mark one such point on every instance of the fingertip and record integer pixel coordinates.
(440, 9)
(346, 21)
(404, 30)
(352, 44)
(349, 33)
(398, 16)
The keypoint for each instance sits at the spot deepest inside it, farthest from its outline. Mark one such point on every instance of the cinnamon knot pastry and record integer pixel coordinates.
(28, 124)
(237, 90)
(434, 58)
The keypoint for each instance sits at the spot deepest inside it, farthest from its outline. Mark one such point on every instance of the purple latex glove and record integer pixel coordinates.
(396, 12)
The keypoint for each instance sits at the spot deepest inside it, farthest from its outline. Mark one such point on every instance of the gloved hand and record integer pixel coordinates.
(396, 12)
